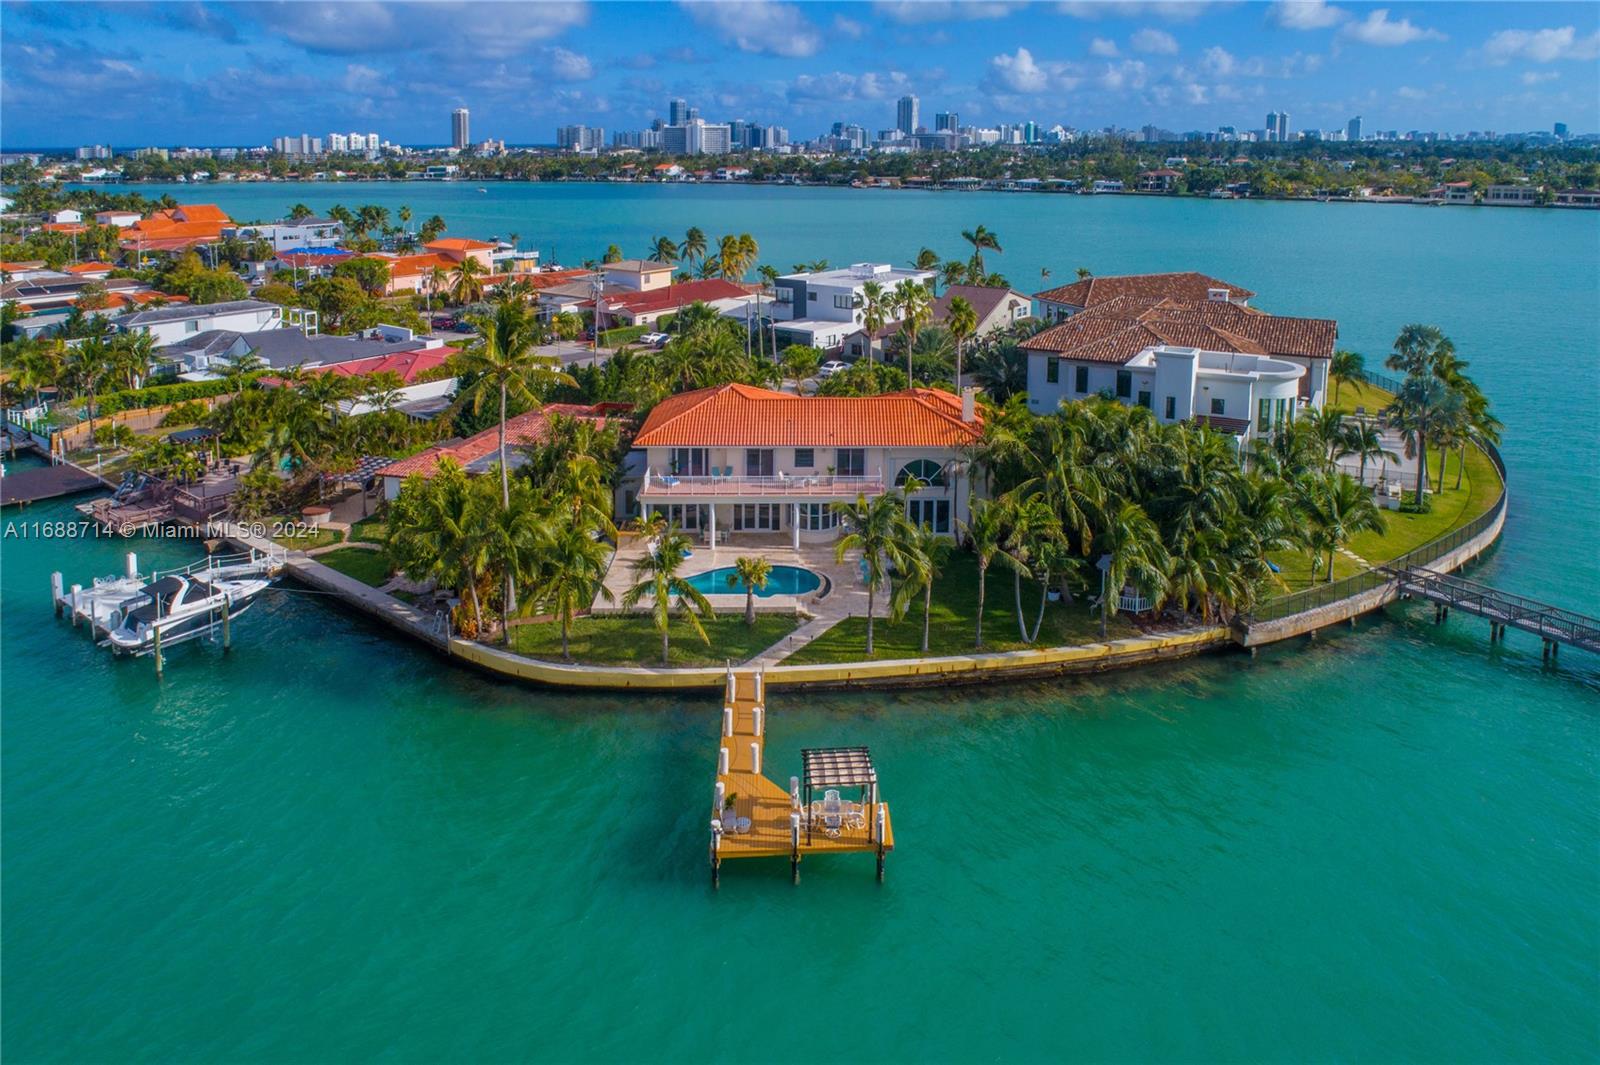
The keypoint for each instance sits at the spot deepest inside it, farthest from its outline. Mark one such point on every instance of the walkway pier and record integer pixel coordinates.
(47, 482)
(753, 816)
(1553, 625)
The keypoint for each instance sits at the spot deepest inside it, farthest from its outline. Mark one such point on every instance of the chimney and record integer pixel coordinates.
(1217, 295)
(969, 404)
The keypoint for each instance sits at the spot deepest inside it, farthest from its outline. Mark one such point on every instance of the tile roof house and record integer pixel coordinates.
(997, 307)
(750, 460)
(1209, 359)
(179, 229)
(478, 452)
(649, 306)
(1186, 287)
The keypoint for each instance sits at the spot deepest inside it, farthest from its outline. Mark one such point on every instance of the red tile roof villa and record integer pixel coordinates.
(743, 416)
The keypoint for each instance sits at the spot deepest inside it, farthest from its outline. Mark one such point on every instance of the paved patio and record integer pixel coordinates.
(846, 595)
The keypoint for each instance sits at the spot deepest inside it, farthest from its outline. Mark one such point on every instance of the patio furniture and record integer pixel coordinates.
(832, 814)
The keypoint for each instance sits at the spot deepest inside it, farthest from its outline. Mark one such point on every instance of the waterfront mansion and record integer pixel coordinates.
(1186, 346)
(822, 308)
(741, 460)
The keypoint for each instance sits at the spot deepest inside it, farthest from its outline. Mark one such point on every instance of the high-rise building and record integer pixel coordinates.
(1283, 125)
(677, 112)
(103, 151)
(906, 115)
(1272, 125)
(338, 142)
(580, 138)
(460, 128)
(1030, 133)
(1352, 129)
(1561, 130)
(946, 121)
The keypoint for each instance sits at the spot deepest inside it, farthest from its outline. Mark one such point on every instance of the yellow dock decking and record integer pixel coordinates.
(767, 804)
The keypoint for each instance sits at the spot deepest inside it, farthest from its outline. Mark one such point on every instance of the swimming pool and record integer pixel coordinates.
(783, 580)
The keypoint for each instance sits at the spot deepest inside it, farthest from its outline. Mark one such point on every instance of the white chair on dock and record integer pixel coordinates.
(832, 814)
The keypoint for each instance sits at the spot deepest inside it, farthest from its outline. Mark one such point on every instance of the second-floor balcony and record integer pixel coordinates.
(659, 484)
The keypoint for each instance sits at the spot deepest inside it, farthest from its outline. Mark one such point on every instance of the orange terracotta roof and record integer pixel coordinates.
(409, 365)
(412, 265)
(551, 278)
(743, 416)
(458, 244)
(670, 297)
(1187, 286)
(200, 212)
(530, 428)
(1119, 329)
(90, 268)
(64, 227)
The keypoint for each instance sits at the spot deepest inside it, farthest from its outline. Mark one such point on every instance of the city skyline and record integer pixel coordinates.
(81, 73)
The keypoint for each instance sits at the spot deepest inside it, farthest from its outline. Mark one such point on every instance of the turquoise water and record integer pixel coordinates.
(1378, 845)
(783, 580)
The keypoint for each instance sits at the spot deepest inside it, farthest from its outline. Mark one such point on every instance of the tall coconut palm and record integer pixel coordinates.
(574, 565)
(506, 367)
(981, 239)
(134, 354)
(438, 281)
(467, 281)
(1327, 427)
(876, 306)
(693, 248)
(1419, 350)
(1032, 531)
(1346, 367)
(1337, 507)
(1412, 413)
(656, 574)
(87, 366)
(881, 533)
(663, 250)
(915, 304)
(962, 321)
(985, 530)
(926, 555)
(752, 573)
(514, 543)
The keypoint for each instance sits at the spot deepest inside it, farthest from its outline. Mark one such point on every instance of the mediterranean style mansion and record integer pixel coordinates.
(1187, 346)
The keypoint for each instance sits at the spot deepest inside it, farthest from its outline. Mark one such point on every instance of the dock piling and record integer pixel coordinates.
(227, 633)
(722, 762)
(77, 593)
(756, 715)
(755, 757)
(160, 665)
(727, 721)
(719, 797)
(56, 591)
(131, 566)
(794, 848)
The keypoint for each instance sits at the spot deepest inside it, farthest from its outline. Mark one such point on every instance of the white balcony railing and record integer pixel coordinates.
(658, 484)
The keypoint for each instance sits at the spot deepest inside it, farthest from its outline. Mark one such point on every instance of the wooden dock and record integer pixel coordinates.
(755, 817)
(46, 482)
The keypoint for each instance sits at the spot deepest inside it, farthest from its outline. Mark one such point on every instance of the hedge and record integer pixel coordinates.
(626, 334)
(158, 396)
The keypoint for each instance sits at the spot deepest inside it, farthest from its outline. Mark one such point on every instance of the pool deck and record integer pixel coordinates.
(845, 595)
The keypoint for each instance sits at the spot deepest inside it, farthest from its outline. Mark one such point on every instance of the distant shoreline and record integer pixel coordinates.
(1404, 201)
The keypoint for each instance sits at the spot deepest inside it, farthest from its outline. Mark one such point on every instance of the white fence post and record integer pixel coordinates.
(755, 757)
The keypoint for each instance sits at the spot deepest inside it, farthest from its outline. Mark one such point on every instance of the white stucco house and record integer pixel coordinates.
(822, 308)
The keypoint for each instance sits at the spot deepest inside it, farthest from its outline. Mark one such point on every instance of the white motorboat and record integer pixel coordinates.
(179, 607)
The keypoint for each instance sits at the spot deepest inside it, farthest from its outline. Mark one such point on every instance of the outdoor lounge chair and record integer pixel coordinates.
(832, 814)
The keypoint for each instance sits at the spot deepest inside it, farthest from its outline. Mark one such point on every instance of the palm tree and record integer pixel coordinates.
(87, 365)
(962, 321)
(927, 552)
(1363, 440)
(875, 308)
(1345, 366)
(505, 366)
(752, 573)
(514, 536)
(1419, 350)
(1327, 428)
(663, 250)
(575, 563)
(915, 305)
(468, 281)
(985, 531)
(879, 530)
(405, 218)
(953, 272)
(693, 248)
(1137, 556)
(1412, 412)
(1084, 273)
(134, 354)
(981, 239)
(927, 259)
(1001, 370)
(1032, 530)
(1338, 507)
(656, 576)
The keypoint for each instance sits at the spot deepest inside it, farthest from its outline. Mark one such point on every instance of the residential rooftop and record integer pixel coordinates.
(736, 415)
(204, 310)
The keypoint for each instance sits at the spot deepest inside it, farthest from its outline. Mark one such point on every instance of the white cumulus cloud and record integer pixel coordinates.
(763, 28)
(566, 65)
(912, 11)
(1541, 46)
(1307, 14)
(1156, 42)
(1169, 10)
(1539, 77)
(1218, 60)
(1104, 47)
(1377, 29)
(1019, 73)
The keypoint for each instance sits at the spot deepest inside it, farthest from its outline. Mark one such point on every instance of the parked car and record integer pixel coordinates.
(445, 322)
(655, 340)
(831, 367)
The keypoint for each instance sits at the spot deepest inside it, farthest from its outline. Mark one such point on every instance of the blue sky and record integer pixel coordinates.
(240, 73)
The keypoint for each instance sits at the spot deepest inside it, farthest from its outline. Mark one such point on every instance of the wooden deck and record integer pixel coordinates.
(765, 802)
(46, 482)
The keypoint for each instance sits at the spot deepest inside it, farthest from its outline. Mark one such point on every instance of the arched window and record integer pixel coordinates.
(927, 471)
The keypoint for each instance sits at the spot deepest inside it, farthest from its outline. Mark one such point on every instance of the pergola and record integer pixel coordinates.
(839, 767)
(200, 435)
(362, 475)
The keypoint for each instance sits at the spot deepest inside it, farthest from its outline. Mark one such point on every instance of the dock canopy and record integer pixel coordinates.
(838, 767)
(192, 436)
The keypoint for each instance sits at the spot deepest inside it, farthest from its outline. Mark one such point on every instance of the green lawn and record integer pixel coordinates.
(954, 622)
(1295, 571)
(368, 567)
(1353, 394)
(1451, 508)
(633, 640)
(297, 542)
(369, 530)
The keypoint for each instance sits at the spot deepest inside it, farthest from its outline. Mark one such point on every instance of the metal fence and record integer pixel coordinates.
(1324, 594)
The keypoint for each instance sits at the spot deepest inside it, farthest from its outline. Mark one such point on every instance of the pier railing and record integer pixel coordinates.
(1323, 594)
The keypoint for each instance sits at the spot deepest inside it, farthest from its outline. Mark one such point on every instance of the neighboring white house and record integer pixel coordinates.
(167, 325)
(1240, 370)
(736, 459)
(117, 218)
(306, 233)
(1511, 196)
(64, 215)
(821, 309)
